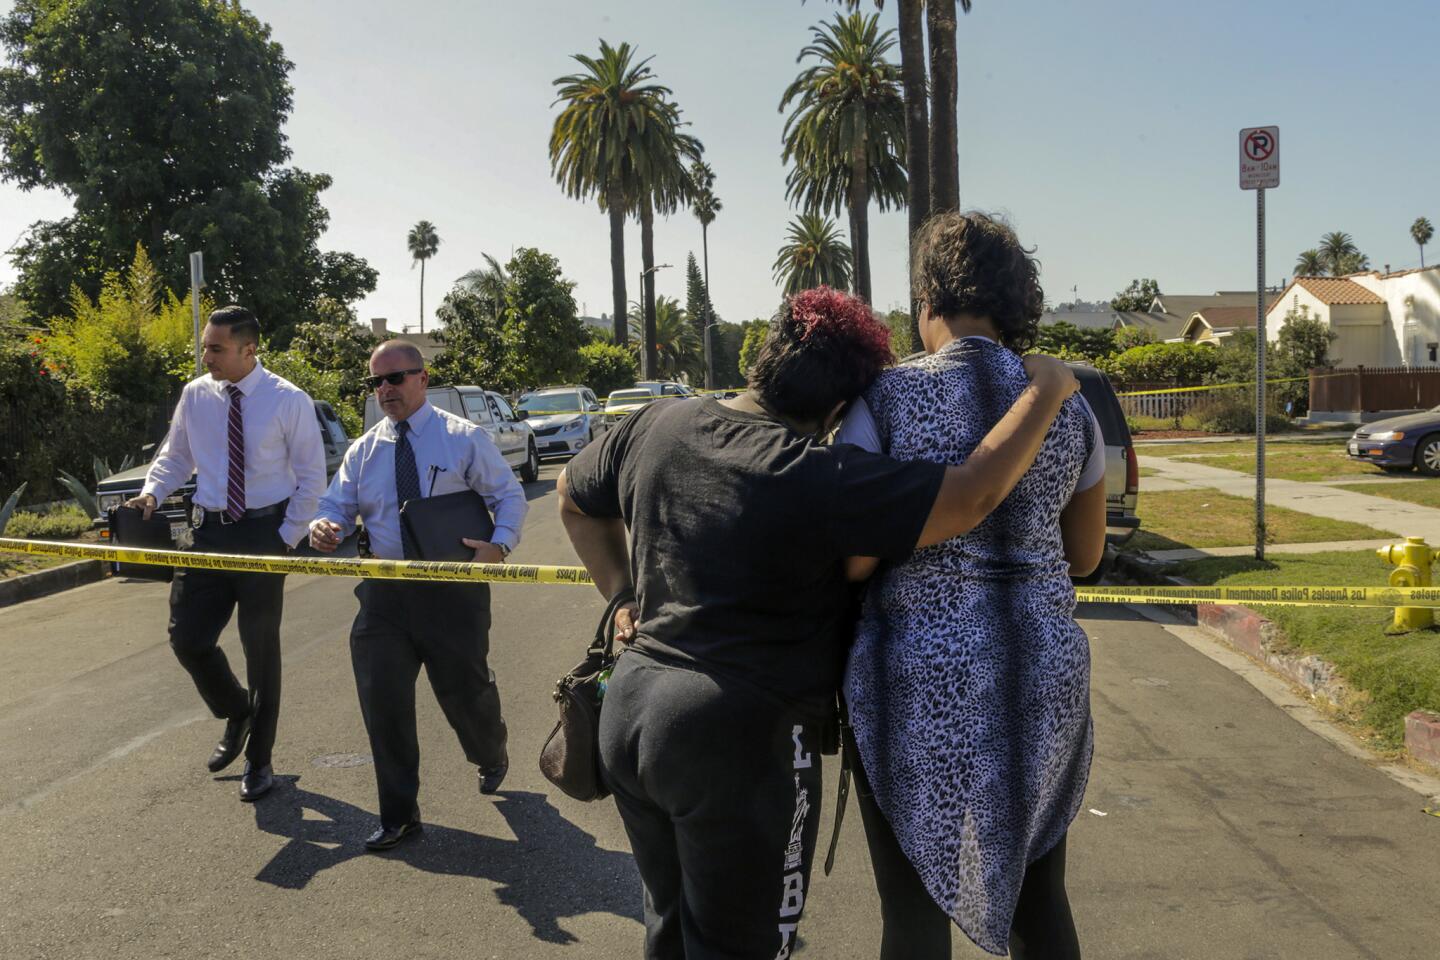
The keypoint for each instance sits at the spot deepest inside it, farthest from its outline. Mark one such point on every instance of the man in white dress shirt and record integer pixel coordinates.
(253, 443)
(415, 451)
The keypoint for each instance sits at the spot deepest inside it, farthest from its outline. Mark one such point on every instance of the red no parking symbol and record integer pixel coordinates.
(1259, 145)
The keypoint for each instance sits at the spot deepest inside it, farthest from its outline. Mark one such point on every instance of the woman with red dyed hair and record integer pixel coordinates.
(741, 520)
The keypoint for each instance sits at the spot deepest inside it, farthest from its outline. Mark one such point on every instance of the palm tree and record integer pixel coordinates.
(600, 144)
(847, 129)
(1310, 263)
(944, 135)
(666, 188)
(813, 255)
(488, 283)
(1340, 254)
(1421, 231)
(423, 241)
(705, 205)
(677, 345)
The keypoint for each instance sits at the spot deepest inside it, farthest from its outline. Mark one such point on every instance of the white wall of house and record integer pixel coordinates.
(1413, 304)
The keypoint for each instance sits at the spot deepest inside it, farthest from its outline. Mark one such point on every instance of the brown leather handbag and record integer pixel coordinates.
(570, 758)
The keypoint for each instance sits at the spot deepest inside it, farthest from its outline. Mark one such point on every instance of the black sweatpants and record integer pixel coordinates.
(201, 602)
(719, 789)
(914, 926)
(446, 627)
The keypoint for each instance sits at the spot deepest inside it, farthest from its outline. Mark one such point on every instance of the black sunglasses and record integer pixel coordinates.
(394, 379)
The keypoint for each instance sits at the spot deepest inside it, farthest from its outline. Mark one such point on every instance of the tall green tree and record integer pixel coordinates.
(604, 144)
(1136, 297)
(1310, 263)
(163, 123)
(423, 242)
(488, 282)
(543, 331)
(1421, 231)
(920, 160)
(472, 329)
(813, 255)
(677, 344)
(706, 206)
(1340, 255)
(695, 306)
(846, 131)
(755, 332)
(334, 342)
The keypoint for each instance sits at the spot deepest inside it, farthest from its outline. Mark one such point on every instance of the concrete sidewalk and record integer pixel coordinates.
(1396, 516)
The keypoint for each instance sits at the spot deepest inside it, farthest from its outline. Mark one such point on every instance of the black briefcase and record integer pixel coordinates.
(436, 524)
(129, 528)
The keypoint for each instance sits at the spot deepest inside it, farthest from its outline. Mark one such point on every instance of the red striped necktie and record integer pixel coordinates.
(235, 487)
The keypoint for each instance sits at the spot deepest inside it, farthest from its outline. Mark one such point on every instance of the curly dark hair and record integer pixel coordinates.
(824, 347)
(973, 263)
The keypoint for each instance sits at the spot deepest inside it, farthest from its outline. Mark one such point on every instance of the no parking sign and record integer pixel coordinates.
(1259, 158)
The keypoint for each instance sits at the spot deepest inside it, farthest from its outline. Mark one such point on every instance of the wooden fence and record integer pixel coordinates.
(1366, 389)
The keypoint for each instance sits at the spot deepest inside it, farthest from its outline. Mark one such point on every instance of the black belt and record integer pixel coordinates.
(200, 516)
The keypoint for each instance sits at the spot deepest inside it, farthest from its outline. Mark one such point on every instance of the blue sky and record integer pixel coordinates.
(1106, 131)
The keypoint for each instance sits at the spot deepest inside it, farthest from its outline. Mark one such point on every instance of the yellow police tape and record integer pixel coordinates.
(313, 566)
(1294, 596)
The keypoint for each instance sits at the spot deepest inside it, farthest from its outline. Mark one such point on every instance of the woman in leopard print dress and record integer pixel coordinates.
(968, 684)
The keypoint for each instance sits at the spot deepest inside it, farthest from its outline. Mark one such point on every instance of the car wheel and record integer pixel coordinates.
(1427, 455)
(531, 471)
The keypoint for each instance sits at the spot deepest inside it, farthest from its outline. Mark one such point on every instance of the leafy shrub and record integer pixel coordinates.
(1233, 411)
(59, 524)
(1184, 364)
(607, 367)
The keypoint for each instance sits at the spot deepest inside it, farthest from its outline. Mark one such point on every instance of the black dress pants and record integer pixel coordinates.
(201, 603)
(916, 928)
(446, 627)
(719, 790)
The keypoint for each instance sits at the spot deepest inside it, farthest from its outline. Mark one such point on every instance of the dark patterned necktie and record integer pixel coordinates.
(407, 479)
(235, 482)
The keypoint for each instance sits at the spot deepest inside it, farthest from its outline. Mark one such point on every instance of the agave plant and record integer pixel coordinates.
(81, 493)
(9, 507)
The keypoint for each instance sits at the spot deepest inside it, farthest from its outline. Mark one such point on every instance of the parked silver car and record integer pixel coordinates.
(565, 419)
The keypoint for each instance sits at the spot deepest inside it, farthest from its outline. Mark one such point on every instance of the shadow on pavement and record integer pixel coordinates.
(540, 488)
(552, 870)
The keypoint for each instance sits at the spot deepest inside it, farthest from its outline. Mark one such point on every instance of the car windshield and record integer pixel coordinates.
(629, 396)
(552, 403)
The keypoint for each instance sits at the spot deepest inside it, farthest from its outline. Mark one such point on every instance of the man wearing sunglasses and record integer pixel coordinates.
(419, 451)
(253, 443)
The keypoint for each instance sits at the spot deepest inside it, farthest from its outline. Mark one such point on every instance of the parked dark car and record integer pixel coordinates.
(115, 490)
(1400, 444)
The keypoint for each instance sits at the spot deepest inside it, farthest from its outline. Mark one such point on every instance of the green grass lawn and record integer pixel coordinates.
(1149, 472)
(1424, 492)
(1393, 674)
(1306, 462)
(1208, 518)
(14, 564)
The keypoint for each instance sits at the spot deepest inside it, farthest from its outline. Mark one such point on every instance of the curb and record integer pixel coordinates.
(42, 583)
(1257, 636)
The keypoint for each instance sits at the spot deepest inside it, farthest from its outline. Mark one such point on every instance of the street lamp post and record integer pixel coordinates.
(648, 357)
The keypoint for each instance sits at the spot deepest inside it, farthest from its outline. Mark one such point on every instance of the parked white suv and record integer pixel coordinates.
(487, 408)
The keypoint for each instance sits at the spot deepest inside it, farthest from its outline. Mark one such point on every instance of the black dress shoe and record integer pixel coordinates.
(387, 837)
(492, 777)
(237, 730)
(255, 783)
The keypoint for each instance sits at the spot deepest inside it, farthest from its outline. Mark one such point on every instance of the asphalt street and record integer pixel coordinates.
(1216, 824)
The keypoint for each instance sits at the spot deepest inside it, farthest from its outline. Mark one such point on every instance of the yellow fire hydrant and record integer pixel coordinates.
(1412, 560)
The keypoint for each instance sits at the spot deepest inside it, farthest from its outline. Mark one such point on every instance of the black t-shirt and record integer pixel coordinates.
(739, 528)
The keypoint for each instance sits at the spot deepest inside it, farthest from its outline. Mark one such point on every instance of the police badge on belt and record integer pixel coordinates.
(197, 515)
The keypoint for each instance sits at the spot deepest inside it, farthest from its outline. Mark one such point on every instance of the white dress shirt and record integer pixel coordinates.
(451, 454)
(284, 455)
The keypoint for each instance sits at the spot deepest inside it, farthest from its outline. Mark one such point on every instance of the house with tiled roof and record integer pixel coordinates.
(1380, 319)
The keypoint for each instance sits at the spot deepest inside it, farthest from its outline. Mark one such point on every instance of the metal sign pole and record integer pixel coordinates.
(197, 280)
(1260, 374)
